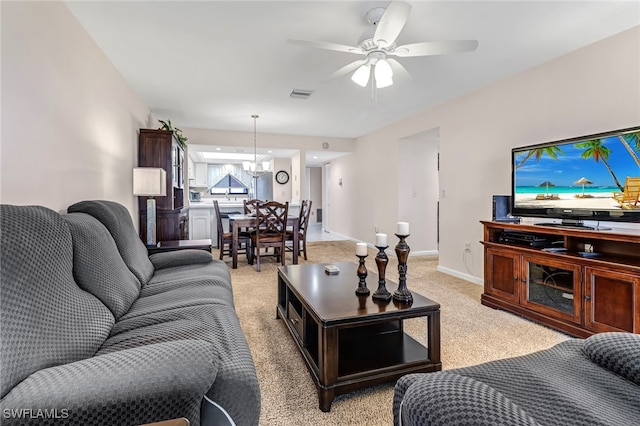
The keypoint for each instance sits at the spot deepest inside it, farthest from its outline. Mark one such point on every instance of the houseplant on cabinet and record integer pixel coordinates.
(166, 125)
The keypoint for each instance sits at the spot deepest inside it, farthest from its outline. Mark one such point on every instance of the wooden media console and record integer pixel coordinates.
(577, 281)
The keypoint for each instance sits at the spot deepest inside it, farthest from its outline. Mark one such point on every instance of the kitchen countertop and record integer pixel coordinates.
(208, 204)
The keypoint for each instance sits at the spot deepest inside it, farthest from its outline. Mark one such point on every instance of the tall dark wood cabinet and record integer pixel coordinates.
(159, 148)
(572, 290)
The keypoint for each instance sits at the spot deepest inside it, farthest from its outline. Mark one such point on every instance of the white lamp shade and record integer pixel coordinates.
(149, 181)
(361, 75)
(383, 74)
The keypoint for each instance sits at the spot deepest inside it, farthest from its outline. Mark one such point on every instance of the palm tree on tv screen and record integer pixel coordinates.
(551, 151)
(631, 141)
(598, 152)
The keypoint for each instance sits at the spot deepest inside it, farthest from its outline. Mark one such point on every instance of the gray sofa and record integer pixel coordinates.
(577, 382)
(94, 331)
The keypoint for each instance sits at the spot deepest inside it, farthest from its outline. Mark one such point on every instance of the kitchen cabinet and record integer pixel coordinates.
(201, 174)
(200, 223)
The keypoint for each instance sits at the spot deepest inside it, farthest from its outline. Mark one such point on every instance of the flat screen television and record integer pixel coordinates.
(594, 177)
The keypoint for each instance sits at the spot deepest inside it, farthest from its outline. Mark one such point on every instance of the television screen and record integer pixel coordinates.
(594, 177)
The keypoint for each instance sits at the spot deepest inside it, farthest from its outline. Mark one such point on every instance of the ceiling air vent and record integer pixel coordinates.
(300, 94)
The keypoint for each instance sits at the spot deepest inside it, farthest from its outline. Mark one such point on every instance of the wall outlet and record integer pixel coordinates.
(467, 246)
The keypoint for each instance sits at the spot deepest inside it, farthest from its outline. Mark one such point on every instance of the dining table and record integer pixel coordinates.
(238, 221)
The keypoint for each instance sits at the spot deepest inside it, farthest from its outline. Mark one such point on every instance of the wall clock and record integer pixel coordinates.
(282, 177)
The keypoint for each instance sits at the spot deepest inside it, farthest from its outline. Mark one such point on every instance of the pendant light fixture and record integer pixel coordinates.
(255, 169)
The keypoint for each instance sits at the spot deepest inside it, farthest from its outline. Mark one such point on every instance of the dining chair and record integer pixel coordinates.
(271, 231)
(250, 205)
(226, 238)
(303, 224)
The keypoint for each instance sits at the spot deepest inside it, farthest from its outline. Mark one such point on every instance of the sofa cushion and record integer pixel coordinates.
(97, 265)
(193, 294)
(236, 388)
(128, 387)
(558, 386)
(117, 220)
(47, 320)
(452, 399)
(617, 352)
(171, 277)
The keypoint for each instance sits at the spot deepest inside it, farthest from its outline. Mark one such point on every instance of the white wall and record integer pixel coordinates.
(69, 120)
(297, 176)
(591, 90)
(282, 193)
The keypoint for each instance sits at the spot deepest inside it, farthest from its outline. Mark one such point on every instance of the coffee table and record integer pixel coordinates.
(348, 341)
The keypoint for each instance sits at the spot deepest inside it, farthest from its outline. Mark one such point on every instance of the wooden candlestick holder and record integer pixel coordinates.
(381, 260)
(402, 294)
(362, 289)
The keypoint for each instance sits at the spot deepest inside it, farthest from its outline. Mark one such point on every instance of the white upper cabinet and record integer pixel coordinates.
(200, 174)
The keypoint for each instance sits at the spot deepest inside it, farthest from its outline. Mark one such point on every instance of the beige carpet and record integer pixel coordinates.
(471, 334)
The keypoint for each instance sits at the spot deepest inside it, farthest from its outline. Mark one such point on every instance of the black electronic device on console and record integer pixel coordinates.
(525, 239)
(502, 209)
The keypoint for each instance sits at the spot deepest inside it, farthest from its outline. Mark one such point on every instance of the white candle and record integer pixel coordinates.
(361, 249)
(403, 228)
(381, 240)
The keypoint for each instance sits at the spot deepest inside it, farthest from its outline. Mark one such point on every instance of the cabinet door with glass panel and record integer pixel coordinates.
(552, 287)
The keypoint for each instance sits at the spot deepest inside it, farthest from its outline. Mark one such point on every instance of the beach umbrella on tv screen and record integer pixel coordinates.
(547, 184)
(583, 181)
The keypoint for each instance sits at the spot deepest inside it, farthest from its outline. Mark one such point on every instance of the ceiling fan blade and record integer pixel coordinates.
(399, 71)
(429, 48)
(347, 69)
(391, 23)
(327, 46)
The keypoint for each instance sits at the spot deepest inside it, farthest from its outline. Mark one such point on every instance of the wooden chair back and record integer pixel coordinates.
(219, 221)
(251, 205)
(271, 218)
(271, 230)
(305, 212)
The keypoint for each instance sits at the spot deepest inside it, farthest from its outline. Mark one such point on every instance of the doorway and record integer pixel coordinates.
(326, 199)
(418, 189)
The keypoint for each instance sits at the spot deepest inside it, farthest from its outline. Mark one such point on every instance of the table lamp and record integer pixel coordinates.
(150, 182)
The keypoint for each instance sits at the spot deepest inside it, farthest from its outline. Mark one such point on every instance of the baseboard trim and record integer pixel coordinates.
(460, 275)
(424, 253)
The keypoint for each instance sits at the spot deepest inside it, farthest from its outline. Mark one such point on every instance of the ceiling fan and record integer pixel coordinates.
(378, 47)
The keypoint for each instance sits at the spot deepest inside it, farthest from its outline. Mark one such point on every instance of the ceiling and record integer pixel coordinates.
(211, 64)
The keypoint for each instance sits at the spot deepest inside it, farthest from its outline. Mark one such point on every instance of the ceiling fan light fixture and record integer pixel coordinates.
(383, 74)
(361, 75)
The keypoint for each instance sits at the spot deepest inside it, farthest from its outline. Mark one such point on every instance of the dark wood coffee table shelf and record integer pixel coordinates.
(349, 341)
